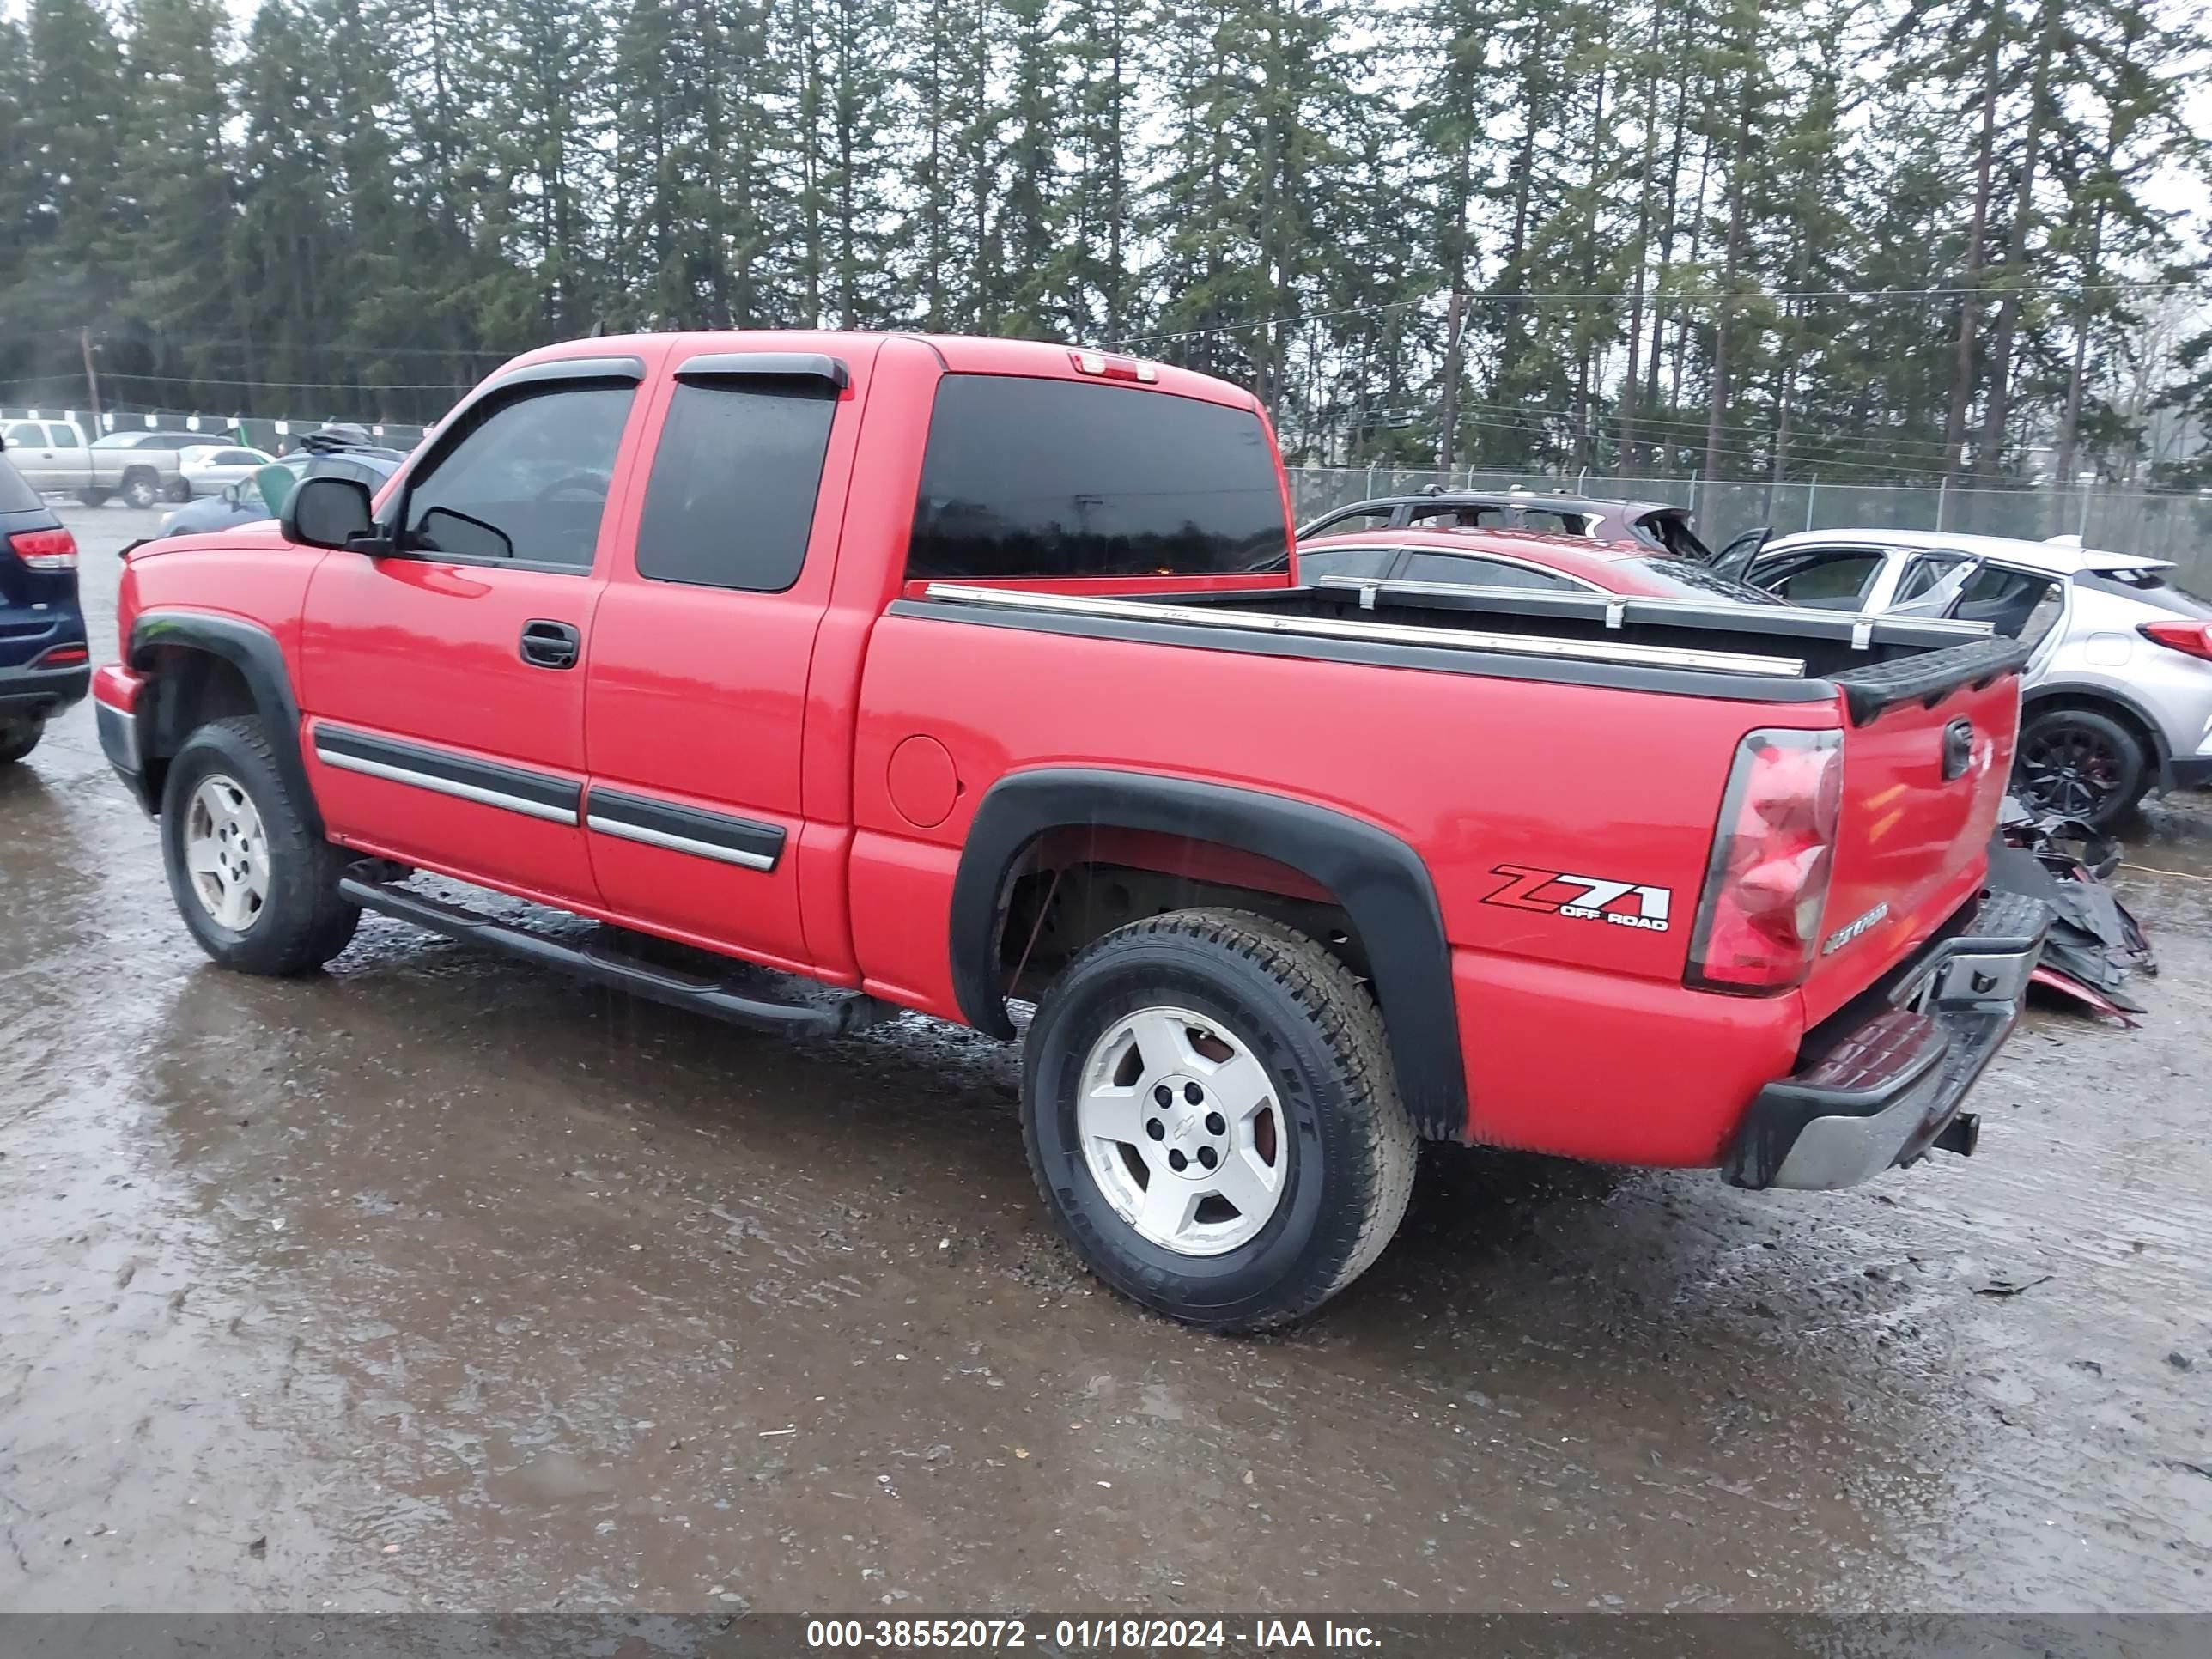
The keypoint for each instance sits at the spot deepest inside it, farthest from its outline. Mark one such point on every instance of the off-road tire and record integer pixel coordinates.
(303, 922)
(141, 488)
(18, 738)
(1319, 1034)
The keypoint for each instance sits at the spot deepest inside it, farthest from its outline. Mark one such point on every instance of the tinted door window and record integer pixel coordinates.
(1483, 573)
(527, 480)
(1547, 523)
(24, 435)
(1319, 562)
(1054, 478)
(731, 503)
(1342, 524)
(64, 437)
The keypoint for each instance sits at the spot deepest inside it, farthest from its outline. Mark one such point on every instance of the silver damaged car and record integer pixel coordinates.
(2118, 698)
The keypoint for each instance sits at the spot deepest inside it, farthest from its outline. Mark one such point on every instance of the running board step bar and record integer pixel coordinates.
(362, 886)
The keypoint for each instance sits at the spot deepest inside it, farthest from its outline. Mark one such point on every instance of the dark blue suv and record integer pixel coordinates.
(45, 665)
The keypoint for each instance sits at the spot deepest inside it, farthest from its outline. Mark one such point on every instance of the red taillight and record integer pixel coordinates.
(63, 656)
(2192, 638)
(45, 549)
(1767, 882)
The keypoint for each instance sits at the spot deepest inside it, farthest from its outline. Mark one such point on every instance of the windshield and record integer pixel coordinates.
(1691, 580)
(15, 496)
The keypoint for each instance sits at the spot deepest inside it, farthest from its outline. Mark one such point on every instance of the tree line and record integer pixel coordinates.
(1859, 239)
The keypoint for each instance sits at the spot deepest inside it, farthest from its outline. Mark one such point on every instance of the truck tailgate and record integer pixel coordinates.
(1923, 783)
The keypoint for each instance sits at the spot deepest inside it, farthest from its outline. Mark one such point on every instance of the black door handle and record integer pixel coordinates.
(550, 645)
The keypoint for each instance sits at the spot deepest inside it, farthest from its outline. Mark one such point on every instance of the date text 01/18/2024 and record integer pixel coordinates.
(1086, 1635)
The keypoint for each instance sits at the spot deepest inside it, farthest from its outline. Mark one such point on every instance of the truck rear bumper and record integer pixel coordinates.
(1893, 1067)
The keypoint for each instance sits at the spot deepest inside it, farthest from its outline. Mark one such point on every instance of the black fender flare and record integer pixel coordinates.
(1380, 881)
(254, 651)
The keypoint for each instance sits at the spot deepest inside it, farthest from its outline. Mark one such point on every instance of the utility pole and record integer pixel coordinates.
(91, 380)
(1451, 385)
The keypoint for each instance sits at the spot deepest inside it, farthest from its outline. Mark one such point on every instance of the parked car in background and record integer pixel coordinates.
(44, 664)
(2118, 697)
(1531, 559)
(208, 468)
(142, 467)
(1659, 525)
(343, 450)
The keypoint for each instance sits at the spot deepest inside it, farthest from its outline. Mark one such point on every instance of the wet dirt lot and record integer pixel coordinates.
(442, 1282)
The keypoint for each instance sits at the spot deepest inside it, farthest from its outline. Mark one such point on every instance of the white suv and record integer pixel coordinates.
(2118, 698)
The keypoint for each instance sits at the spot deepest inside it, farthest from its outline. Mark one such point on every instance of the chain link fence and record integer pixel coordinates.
(2176, 526)
(274, 435)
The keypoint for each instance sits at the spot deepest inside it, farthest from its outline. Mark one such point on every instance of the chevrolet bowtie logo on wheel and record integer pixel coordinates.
(1583, 898)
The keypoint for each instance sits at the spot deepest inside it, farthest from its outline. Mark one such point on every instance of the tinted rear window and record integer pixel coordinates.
(15, 496)
(731, 503)
(1692, 580)
(2152, 588)
(1047, 478)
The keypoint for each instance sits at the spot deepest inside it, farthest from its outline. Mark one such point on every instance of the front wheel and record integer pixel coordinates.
(256, 886)
(2080, 764)
(178, 489)
(18, 738)
(92, 497)
(1212, 1117)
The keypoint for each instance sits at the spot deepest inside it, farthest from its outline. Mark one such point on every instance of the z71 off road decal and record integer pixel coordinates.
(1585, 898)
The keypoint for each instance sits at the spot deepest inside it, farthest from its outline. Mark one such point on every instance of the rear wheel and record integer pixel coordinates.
(141, 489)
(178, 489)
(258, 888)
(18, 737)
(1212, 1117)
(2081, 764)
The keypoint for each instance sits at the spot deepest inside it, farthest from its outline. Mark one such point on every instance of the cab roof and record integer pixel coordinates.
(960, 353)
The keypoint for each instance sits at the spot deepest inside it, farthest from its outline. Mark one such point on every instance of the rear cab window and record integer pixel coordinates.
(1051, 480)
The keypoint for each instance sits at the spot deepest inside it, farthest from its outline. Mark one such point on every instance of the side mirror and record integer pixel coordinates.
(328, 513)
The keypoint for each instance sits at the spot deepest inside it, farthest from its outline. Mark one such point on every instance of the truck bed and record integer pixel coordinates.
(1762, 653)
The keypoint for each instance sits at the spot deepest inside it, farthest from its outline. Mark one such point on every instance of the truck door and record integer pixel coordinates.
(443, 683)
(696, 704)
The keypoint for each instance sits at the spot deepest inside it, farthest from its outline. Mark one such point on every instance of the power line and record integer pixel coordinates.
(1671, 297)
(450, 387)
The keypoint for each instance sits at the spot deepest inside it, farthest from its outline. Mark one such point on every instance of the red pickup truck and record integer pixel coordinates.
(952, 674)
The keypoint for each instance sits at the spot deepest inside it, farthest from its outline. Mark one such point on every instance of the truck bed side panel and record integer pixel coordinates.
(1494, 781)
